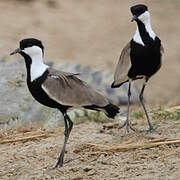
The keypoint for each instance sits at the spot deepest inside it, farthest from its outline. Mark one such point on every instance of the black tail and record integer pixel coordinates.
(111, 110)
(118, 85)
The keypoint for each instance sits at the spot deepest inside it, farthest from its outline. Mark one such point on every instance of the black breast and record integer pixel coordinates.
(145, 60)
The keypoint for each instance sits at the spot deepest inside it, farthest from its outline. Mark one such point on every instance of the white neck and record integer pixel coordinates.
(37, 67)
(137, 38)
(149, 29)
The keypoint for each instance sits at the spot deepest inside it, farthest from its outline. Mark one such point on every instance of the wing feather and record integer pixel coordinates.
(123, 66)
(69, 90)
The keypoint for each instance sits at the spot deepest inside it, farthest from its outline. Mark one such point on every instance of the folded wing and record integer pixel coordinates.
(67, 89)
(123, 66)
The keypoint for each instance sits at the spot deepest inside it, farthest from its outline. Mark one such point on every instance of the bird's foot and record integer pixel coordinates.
(151, 129)
(128, 126)
(59, 164)
(60, 161)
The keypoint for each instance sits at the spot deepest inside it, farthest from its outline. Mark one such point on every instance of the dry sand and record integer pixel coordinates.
(34, 159)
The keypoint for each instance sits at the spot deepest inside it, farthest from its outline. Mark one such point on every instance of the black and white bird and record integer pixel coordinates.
(140, 58)
(58, 89)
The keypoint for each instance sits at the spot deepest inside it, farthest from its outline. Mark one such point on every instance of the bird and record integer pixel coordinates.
(59, 89)
(141, 58)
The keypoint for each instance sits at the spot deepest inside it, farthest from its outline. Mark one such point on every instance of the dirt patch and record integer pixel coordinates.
(35, 158)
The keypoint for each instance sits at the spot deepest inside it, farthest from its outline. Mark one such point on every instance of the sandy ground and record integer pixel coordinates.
(34, 159)
(94, 32)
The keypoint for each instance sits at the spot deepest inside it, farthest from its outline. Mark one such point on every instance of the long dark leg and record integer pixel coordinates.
(70, 123)
(127, 118)
(143, 104)
(68, 127)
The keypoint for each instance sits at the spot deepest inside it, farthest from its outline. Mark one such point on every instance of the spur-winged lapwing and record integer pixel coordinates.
(58, 89)
(140, 58)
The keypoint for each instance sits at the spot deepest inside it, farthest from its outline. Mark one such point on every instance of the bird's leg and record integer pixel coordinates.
(70, 123)
(68, 127)
(143, 104)
(127, 118)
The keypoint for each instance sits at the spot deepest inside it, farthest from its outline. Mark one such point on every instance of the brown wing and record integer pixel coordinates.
(67, 89)
(123, 66)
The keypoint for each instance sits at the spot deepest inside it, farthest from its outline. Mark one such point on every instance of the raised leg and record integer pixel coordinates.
(143, 104)
(68, 127)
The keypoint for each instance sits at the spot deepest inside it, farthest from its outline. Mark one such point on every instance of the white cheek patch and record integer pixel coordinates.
(32, 51)
(37, 66)
(144, 16)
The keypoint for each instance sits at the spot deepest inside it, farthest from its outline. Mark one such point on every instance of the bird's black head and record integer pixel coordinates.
(29, 46)
(29, 42)
(138, 10)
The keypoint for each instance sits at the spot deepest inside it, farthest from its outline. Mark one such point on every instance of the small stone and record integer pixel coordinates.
(91, 172)
(74, 169)
(77, 177)
(87, 168)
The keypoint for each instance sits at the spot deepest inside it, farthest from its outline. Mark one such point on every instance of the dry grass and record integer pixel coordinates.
(24, 137)
(126, 146)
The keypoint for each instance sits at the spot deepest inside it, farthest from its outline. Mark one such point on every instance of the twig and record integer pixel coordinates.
(132, 146)
(24, 138)
(110, 125)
